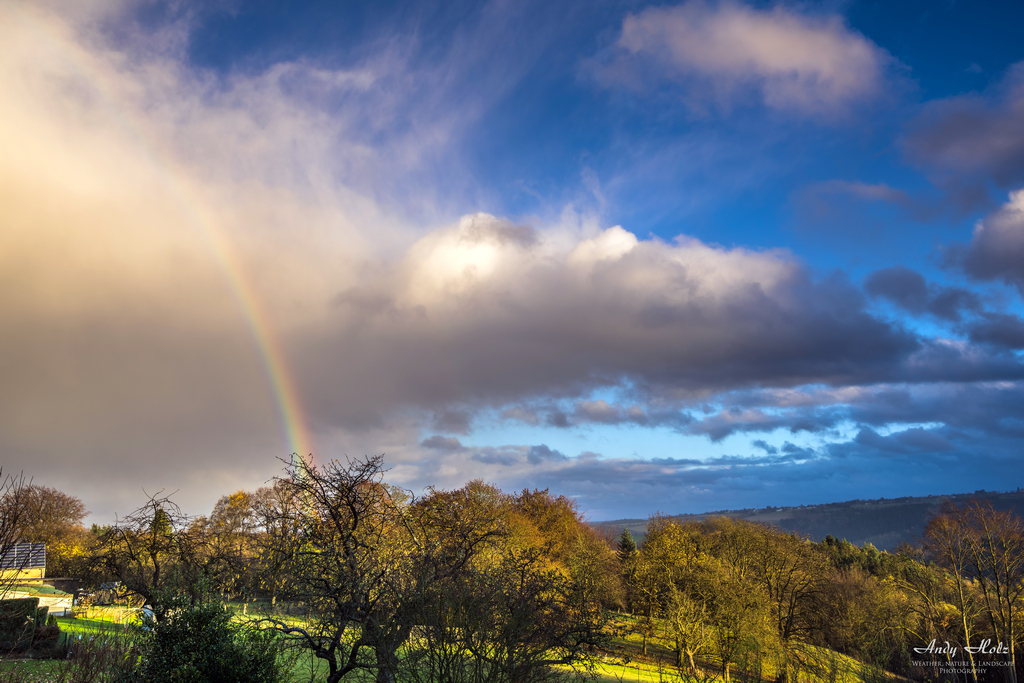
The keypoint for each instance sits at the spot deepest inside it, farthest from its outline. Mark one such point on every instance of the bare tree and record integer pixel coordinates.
(277, 526)
(374, 566)
(366, 557)
(942, 607)
(985, 547)
(344, 562)
(157, 551)
(946, 541)
(12, 518)
(793, 575)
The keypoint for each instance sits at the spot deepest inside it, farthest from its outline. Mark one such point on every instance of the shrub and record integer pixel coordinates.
(111, 657)
(46, 638)
(198, 643)
(17, 623)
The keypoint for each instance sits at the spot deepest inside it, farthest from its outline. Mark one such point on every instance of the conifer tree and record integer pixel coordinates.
(627, 546)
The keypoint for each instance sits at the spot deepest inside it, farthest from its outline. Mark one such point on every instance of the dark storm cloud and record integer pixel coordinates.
(513, 456)
(901, 285)
(453, 420)
(968, 141)
(945, 360)
(949, 303)
(983, 408)
(912, 461)
(729, 422)
(602, 412)
(542, 453)
(988, 407)
(910, 291)
(908, 441)
(999, 329)
(507, 457)
(447, 444)
(935, 379)
(996, 251)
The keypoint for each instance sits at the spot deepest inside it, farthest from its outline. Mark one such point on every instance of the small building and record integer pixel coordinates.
(24, 561)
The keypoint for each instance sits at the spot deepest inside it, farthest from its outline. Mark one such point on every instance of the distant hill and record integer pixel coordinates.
(885, 522)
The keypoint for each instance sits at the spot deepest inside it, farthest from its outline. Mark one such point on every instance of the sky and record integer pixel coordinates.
(665, 258)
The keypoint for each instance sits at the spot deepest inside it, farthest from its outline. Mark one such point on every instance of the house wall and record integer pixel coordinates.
(27, 573)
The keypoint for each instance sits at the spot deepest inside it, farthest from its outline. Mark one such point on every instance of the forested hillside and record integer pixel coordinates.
(884, 523)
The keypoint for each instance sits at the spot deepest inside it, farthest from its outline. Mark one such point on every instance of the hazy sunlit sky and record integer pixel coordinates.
(657, 257)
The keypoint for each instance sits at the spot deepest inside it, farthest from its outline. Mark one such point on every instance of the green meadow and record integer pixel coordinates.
(621, 661)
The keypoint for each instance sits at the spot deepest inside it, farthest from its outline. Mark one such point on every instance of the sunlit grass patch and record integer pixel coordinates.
(109, 613)
(624, 660)
(833, 667)
(89, 627)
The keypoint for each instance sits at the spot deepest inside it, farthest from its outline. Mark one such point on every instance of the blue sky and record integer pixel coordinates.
(659, 257)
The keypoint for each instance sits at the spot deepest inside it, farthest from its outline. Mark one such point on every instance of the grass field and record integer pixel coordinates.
(623, 662)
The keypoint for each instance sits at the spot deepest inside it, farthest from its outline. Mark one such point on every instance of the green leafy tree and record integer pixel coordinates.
(511, 620)
(740, 621)
(793, 575)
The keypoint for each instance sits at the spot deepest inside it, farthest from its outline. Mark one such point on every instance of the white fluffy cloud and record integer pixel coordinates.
(796, 62)
(486, 312)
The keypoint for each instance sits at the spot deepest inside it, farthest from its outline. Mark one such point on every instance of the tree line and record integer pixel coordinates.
(477, 584)
(746, 595)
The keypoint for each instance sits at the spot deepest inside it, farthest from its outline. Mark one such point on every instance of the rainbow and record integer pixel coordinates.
(282, 384)
(53, 35)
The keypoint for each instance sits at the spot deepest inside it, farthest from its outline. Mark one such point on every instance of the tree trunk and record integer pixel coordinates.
(967, 629)
(387, 660)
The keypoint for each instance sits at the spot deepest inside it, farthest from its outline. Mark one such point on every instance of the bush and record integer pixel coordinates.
(199, 643)
(17, 623)
(110, 657)
(46, 639)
